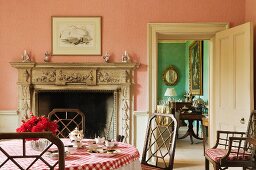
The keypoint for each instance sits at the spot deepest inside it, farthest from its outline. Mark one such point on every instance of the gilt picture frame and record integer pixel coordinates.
(76, 35)
(170, 76)
(196, 68)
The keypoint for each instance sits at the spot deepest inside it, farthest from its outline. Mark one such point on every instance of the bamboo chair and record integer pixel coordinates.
(25, 156)
(234, 149)
(67, 120)
(160, 142)
(120, 138)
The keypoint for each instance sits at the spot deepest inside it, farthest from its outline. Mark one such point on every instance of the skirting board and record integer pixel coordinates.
(140, 126)
(8, 120)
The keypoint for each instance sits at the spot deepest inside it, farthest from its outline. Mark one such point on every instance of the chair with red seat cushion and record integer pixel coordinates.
(233, 149)
(148, 167)
(160, 142)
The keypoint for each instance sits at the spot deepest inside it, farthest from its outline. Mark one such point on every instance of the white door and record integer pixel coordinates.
(232, 79)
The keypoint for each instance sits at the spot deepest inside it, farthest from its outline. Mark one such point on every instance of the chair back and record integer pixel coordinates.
(120, 138)
(252, 146)
(250, 143)
(28, 159)
(251, 129)
(160, 141)
(67, 120)
(245, 145)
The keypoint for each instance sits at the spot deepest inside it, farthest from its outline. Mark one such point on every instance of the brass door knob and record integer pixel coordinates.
(242, 121)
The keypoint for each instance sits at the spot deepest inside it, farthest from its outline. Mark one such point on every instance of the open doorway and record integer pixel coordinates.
(230, 53)
(187, 107)
(190, 90)
(177, 32)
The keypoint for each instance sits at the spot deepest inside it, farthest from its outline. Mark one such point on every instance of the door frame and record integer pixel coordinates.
(179, 31)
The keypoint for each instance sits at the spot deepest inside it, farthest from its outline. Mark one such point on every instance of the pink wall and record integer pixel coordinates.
(26, 24)
(250, 15)
(250, 12)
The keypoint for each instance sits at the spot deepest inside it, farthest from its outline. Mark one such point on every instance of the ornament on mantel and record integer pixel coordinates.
(125, 57)
(25, 56)
(47, 56)
(106, 57)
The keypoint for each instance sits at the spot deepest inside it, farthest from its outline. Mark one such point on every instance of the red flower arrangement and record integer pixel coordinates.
(38, 124)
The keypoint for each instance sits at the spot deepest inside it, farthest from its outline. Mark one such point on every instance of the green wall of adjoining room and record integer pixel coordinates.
(171, 54)
(177, 54)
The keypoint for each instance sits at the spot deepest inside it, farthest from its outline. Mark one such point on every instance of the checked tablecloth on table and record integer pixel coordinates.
(79, 158)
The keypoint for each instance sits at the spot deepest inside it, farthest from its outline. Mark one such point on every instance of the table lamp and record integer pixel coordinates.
(170, 92)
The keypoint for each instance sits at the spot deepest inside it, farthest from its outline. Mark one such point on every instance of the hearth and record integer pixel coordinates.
(97, 106)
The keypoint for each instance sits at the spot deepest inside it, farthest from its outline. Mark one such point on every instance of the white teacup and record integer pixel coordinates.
(109, 144)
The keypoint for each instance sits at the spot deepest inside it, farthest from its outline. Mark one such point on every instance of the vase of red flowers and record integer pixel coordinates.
(39, 144)
(38, 124)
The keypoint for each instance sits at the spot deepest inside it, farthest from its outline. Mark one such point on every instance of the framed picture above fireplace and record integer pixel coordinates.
(76, 35)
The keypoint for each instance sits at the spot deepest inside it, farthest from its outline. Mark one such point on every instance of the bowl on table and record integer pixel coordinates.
(54, 154)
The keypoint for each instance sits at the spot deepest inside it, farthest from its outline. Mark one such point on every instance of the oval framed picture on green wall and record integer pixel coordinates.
(170, 76)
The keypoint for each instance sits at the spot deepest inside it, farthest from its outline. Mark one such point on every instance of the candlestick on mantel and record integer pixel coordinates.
(125, 57)
(106, 57)
(25, 56)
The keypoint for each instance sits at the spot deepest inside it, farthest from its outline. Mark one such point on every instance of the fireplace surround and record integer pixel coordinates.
(117, 79)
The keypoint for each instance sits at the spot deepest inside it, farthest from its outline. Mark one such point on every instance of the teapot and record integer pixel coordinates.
(76, 137)
(100, 140)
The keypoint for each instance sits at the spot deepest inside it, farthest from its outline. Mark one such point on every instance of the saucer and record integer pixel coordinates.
(54, 154)
(105, 152)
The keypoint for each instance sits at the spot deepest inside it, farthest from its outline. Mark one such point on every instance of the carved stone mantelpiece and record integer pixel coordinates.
(118, 77)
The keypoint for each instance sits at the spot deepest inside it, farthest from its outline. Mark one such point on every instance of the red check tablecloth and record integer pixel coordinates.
(79, 159)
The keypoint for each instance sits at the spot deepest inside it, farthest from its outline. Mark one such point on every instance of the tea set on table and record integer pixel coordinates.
(76, 137)
(97, 145)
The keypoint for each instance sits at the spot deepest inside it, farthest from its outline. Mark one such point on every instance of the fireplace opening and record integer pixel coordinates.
(98, 107)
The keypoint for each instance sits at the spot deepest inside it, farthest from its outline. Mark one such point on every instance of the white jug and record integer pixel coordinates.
(76, 137)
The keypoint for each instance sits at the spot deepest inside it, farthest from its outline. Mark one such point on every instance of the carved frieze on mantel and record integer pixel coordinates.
(109, 76)
(118, 77)
(87, 77)
(48, 76)
(85, 73)
(64, 76)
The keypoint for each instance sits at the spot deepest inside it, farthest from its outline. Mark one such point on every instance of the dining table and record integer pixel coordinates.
(127, 157)
(191, 117)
